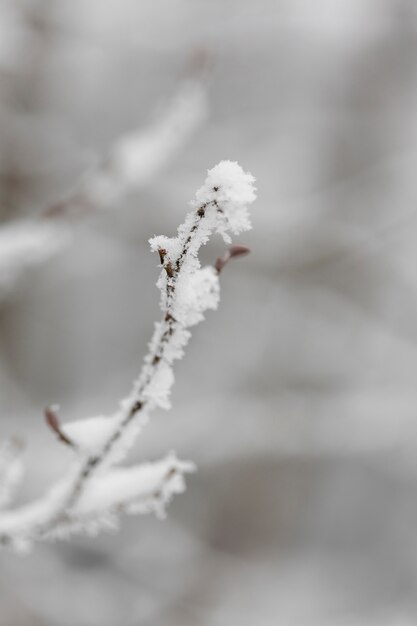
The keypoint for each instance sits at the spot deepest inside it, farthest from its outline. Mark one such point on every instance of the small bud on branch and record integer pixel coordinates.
(52, 421)
(231, 253)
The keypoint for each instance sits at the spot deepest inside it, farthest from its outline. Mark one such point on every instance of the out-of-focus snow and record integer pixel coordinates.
(27, 243)
(90, 434)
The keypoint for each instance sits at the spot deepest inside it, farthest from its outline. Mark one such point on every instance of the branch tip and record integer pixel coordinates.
(238, 250)
(51, 418)
(231, 253)
(162, 252)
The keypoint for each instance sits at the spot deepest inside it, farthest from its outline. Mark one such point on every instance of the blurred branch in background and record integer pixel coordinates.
(132, 162)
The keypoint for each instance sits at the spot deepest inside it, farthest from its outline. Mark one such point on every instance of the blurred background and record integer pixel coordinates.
(297, 399)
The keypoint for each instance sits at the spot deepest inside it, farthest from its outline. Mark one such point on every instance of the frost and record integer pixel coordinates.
(233, 190)
(226, 182)
(171, 245)
(28, 243)
(94, 492)
(187, 291)
(90, 434)
(11, 471)
(145, 488)
(195, 294)
(131, 487)
(175, 349)
(159, 388)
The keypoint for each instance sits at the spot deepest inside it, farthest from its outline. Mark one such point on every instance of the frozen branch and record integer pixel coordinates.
(132, 162)
(146, 488)
(187, 291)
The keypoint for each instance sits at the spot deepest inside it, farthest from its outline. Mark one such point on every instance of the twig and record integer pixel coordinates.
(187, 291)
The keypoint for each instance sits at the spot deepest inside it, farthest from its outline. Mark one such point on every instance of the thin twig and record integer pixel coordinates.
(187, 291)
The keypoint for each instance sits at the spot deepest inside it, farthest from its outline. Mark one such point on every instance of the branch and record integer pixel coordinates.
(146, 488)
(187, 291)
(131, 163)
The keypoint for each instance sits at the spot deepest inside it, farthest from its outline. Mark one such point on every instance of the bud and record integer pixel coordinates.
(231, 253)
(52, 420)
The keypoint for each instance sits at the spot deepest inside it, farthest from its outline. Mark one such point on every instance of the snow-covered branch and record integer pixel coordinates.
(94, 490)
(130, 164)
(27, 243)
(145, 488)
(136, 158)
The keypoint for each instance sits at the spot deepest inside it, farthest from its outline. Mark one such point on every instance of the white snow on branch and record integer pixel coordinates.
(187, 291)
(231, 188)
(27, 243)
(159, 387)
(196, 293)
(146, 488)
(89, 435)
(135, 489)
(140, 489)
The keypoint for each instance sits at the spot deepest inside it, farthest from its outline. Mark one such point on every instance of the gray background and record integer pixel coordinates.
(297, 399)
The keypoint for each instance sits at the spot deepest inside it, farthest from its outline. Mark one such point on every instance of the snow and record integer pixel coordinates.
(27, 243)
(187, 290)
(196, 293)
(233, 190)
(159, 388)
(130, 486)
(94, 492)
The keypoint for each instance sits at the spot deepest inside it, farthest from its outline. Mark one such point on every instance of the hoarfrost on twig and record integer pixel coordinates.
(94, 492)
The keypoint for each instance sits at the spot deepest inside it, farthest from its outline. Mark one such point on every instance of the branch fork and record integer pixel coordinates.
(95, 490)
